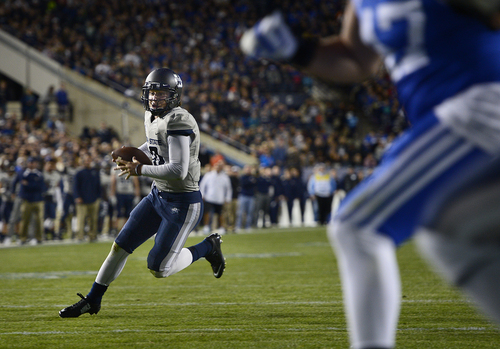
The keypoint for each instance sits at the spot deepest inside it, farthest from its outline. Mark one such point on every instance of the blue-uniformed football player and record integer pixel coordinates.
(174, 206)
(444, 58)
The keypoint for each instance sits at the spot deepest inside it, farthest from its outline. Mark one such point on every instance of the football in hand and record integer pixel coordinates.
(127, 153)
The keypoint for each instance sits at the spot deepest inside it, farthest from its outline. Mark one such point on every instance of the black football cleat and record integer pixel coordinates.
(81, 307)
(215, 256)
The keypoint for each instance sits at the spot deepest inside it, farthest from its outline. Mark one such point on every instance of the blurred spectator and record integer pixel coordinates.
(124, 195)
(294, 188)
(106, 209)
(230, 209)
(69, 208)
(3, 98)
(216, 189)
(350, 180)
(7, 176)
(321, 187)
(29, 106)
(263, 192)
(266, 159)
(52, 198)
(31, 192)
(87, 193)
(63, 103)
(369, 161)
(279, 152)
(47, 99)
(15, 216)
(204, 155)
(106, 133)
(246, 199)
(216, 157)
(277, 195)
(288, 188)
(103, 70)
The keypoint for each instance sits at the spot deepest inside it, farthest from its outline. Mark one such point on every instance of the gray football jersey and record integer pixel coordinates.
(177, 122)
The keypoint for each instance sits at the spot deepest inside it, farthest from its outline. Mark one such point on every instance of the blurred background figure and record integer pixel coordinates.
(124, 195)
(31, 192)
(15, 216)
(246, 199)
(350, 180)
(47, 100)
(69, 209)
(53, 201)
(63, 103)
(294, 192)
(216, 189)
(321, 187)
(7, 177)
(277, 195)
(263, 195)
(230, 209)
(29, 105)
(4, 93)
(87, 194)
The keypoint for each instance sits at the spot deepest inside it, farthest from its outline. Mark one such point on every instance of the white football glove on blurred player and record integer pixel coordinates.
(270, 38)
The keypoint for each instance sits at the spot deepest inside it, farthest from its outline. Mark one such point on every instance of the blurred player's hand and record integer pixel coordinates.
(270, 38)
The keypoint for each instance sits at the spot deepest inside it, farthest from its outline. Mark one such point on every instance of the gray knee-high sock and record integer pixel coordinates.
(112, 266)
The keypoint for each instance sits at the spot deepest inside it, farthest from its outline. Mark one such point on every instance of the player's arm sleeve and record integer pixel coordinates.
(178, 165)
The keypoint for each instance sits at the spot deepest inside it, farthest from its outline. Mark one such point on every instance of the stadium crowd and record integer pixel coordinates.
(59, 159)
(260, 107)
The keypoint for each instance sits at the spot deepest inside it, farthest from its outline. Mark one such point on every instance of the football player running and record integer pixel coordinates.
(446, 67)
(174, 206)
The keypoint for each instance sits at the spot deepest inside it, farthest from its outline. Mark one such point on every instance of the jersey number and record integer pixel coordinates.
(157, 159)
(383, 19)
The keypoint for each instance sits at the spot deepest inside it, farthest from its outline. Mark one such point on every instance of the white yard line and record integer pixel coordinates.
(244, 329)
(196, 304)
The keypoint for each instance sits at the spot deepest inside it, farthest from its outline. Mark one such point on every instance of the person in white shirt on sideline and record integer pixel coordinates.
(216, 190)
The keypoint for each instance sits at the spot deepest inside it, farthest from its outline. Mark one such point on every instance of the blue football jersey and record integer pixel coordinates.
(431, 51)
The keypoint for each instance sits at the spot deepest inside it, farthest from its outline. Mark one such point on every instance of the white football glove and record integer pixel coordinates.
(270, 38)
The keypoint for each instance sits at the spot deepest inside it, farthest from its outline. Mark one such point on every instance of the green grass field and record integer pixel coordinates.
(280, 290)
